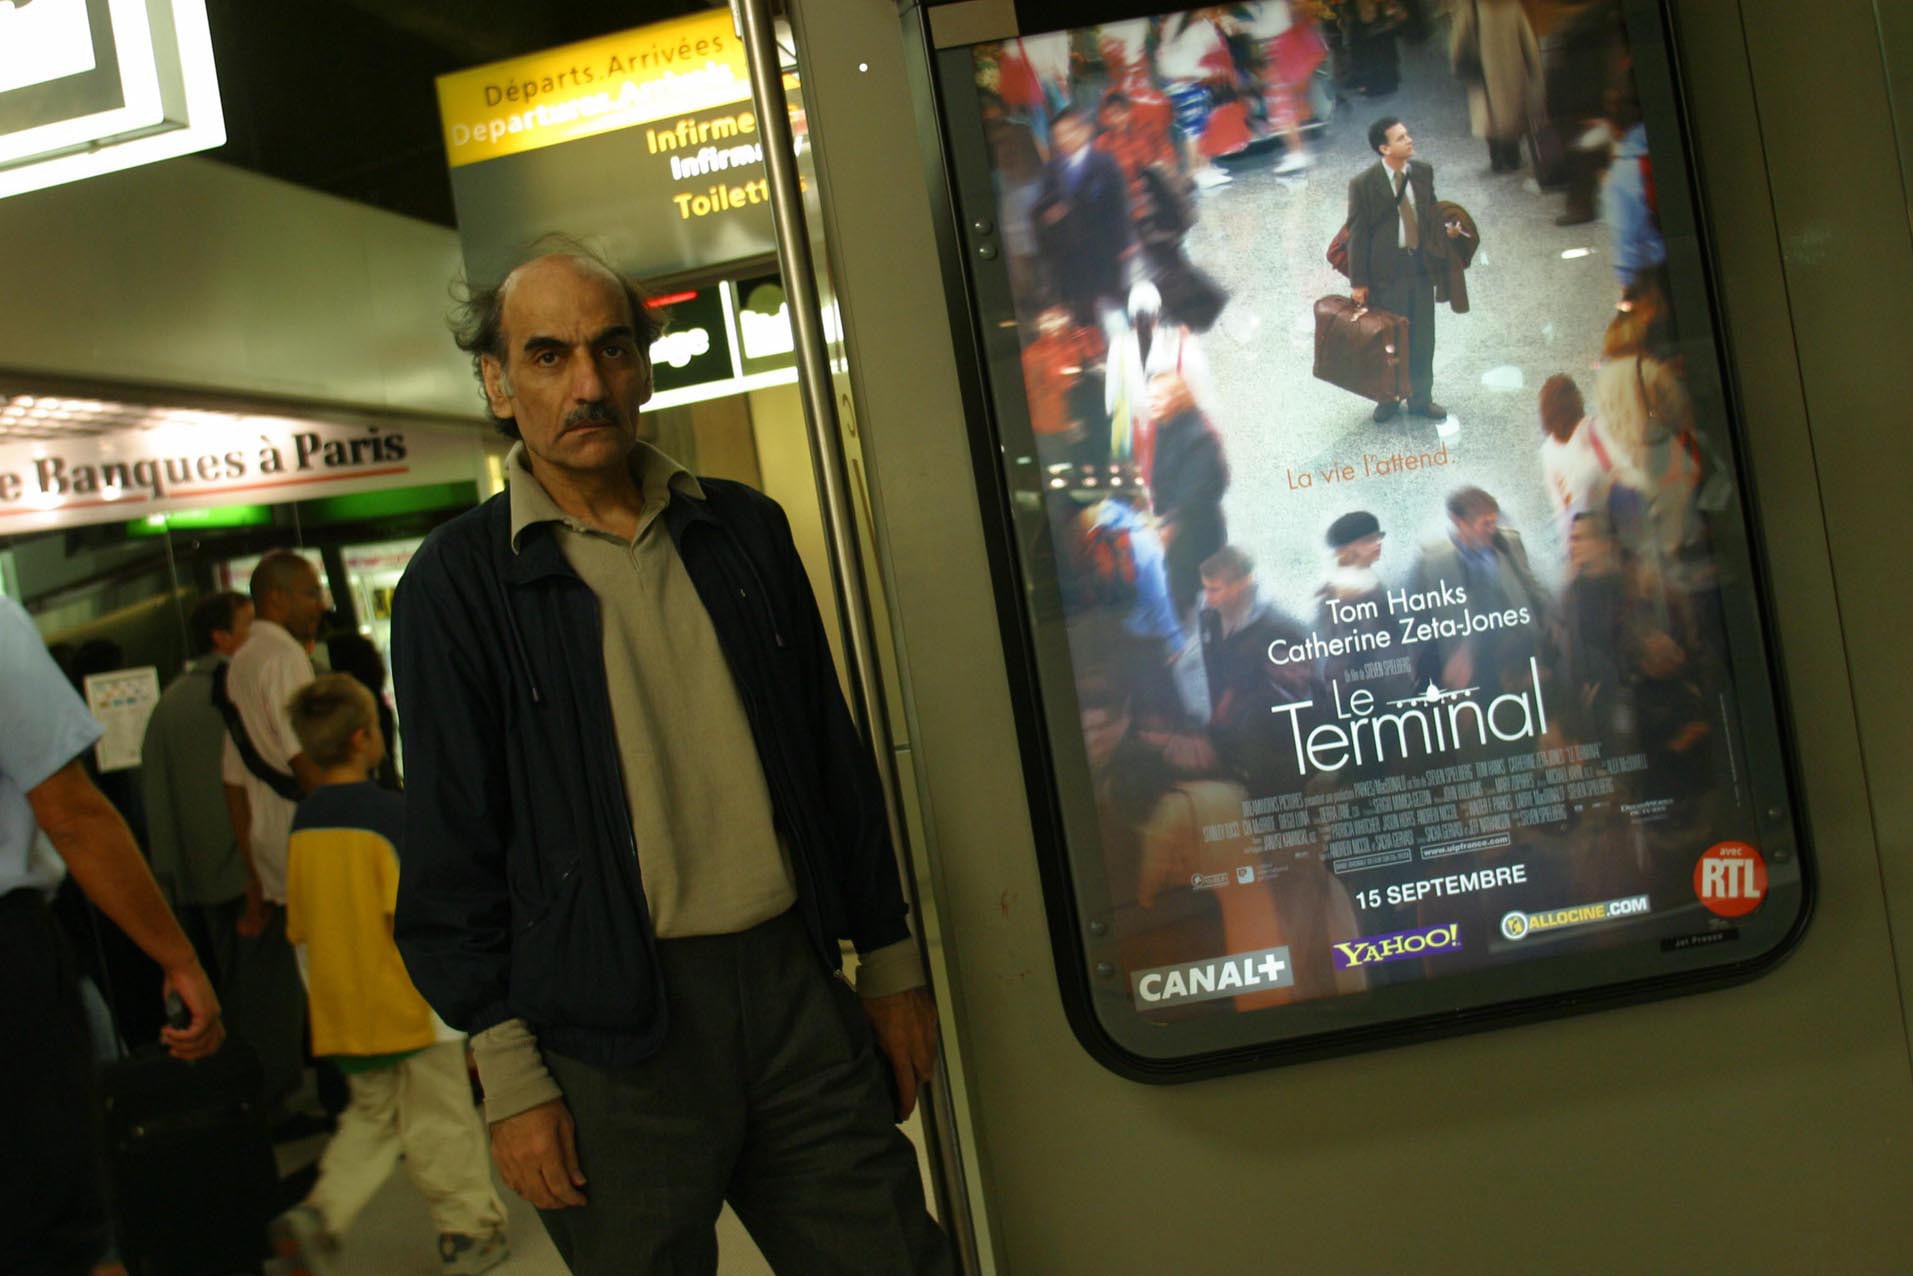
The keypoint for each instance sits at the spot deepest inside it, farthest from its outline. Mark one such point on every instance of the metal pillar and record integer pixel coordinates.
(752, 19)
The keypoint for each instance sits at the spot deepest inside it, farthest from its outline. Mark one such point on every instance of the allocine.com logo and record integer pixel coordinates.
(1372, 949)
(1217, 977)
(1522, 925)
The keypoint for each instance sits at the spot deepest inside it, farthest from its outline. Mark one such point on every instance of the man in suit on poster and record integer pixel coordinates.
(1082, 219)
(1391, 219)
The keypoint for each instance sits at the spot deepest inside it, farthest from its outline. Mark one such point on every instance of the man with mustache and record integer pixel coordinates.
(639, 823)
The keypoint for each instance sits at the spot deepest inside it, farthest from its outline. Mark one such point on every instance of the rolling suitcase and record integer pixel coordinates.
(1364, 351)
(190, 1162)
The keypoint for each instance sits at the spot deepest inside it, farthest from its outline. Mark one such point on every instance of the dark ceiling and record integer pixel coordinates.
(337, 95)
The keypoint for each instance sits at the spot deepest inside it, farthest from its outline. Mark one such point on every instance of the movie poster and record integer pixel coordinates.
(1391, 582)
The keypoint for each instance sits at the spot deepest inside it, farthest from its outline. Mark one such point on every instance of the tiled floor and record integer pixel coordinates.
(394, 1236)
(1542, 296)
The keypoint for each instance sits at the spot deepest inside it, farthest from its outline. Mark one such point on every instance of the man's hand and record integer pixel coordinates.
(1360, 295)
(537, 1154)
(204, 1034)
(905, 1024)
(252, 922)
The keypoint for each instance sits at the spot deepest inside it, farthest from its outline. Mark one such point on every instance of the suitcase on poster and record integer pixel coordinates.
(1364, 351)
(190, 1160)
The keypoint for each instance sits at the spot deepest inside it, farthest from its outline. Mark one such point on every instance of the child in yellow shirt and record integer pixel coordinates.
(406, 1069)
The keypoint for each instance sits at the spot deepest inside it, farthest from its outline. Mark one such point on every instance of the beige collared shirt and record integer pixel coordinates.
(708, 849)
(709, 854)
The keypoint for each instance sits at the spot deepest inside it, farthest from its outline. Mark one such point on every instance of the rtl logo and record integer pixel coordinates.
(1731, 879)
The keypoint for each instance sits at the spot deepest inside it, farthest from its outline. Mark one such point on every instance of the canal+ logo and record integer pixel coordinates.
(1209, 980)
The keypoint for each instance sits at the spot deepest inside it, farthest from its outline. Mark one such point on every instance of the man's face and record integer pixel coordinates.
(1168, 396)
(1227, 594)
(1397, 145)
(1588, 548)
(1071, 136)
(1478, 532)
(573, 375)
(1365, 551)
(305, 606)
(227, 641)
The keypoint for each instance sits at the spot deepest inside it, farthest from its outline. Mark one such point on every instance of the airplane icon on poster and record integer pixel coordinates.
(1434, 695)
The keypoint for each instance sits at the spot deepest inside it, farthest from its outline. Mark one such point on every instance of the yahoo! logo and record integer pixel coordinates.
(1402, 944)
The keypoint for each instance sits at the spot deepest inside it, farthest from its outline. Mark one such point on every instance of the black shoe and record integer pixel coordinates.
(1430, 409)
(1386, 411)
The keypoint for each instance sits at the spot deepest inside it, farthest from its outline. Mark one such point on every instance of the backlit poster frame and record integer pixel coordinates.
(1223, 904)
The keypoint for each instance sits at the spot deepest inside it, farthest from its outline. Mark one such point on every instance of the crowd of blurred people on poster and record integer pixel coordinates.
(1105, 144)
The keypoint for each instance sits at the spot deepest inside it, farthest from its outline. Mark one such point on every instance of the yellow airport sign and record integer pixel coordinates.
(658, 72)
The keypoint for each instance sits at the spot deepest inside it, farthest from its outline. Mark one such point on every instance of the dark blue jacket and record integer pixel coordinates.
(520, 894)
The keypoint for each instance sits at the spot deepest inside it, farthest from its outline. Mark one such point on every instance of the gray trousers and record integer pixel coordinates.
(1411, 294)
(769, 1093)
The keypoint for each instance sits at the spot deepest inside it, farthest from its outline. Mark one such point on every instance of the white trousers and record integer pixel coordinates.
(421, 1107)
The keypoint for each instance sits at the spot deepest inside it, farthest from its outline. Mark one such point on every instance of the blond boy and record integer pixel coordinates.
(406, 1069)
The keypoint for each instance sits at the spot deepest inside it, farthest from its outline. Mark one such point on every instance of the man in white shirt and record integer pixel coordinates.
(266, 1005)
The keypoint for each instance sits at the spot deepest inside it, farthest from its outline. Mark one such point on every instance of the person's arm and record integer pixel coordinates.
(1116, 196)
(48, 730)
(305, 771)
(1636, 240)
(453, 915)
(232, 774)
(872, 886)
(1209, 478)
(1358, 234)
(533, 1138)
(157, 788)
(902, 1014)
(453, 920)
(284, 678)
(100, 854)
